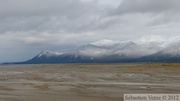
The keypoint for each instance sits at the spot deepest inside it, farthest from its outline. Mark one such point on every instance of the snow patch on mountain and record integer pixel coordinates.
(131, 50)
(154, 42)
(48, 53)
(173, 50)
(105, 42)
(154, 46)
(90, 50)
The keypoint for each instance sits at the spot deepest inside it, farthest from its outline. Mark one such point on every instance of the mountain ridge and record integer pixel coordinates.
(111, 52)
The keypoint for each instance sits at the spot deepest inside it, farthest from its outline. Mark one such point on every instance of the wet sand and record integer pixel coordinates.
(86, 82)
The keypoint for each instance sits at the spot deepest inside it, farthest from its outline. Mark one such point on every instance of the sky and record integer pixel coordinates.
(28, 27)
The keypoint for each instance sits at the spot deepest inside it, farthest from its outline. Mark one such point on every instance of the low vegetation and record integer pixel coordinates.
(127, 66)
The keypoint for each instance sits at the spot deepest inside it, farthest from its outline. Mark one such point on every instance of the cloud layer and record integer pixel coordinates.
(30, 26)
(147, 6)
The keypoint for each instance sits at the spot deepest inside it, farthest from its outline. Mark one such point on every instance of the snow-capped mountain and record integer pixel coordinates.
(130, 50)
(120, 49)
(105, 42)
(111, 51)
(173, 51)
(47, 54)
(91, 50)
(154, 45)
(169, 54)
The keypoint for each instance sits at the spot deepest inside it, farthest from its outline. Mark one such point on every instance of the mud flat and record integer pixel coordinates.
(86, 82)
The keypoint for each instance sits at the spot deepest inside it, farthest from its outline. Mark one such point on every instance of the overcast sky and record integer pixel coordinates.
(28, 27)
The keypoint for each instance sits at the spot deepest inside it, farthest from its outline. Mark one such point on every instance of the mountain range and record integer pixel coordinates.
(108, 51)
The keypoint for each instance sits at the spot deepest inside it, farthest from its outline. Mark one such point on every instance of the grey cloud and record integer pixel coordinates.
(146, 6)
(42, 7)
(167, 18)
(158, 12)
(30, 26)
(48, 15)
(14, 24)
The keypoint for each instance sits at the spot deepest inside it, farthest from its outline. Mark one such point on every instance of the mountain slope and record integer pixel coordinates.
(111, 52)
(169, 54)
(91, 53)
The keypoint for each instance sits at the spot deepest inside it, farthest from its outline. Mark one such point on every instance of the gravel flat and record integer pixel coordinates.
(86, 82)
